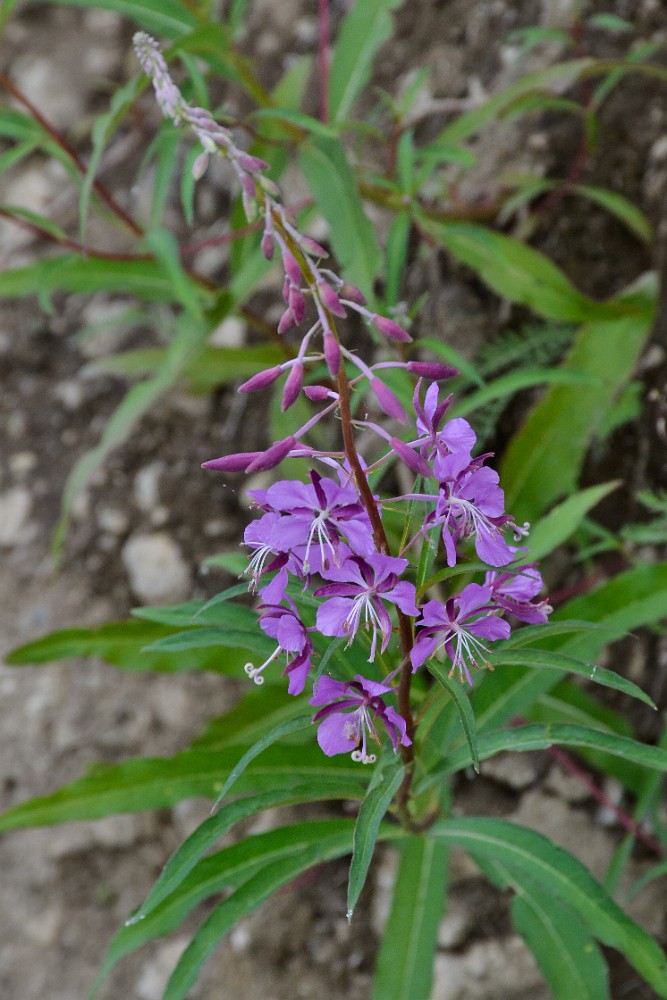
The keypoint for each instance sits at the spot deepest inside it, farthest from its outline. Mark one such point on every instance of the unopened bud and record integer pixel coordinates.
(317, 393)
(200, 165)
(292, 269)
(331, 353)
(268, 245)
(351, 292)
(388, 400)
(297, 303)
(292, 388)
(272, 456)
(312, 247)
(390, 329)
(329, 299)
(432, 369)
(251, 163)
(411, 458)
(286, 322)
(232, 463)
(261, 380)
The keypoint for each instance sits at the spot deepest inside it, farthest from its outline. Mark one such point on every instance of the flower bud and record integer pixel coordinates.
(317, 393)
(200, 165)
(268, 245)
(329, 299)
(261, 380)
(312, 247)
(411, 458)
(292, 388)
(297, 303)
(432, 369)
(331, 353)
(232, 463)
(292, 269)
(351, 292)
(286, 322)
(388, 400)
(272, 456)
(389, 329)
(251, 163)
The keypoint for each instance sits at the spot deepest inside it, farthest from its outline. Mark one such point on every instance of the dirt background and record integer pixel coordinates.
(141, 530)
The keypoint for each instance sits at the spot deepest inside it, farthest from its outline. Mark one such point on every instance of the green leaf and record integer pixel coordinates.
(634, 598)
(226, 869)
(563, 520)
(85, 275)
(559, 874)
(334, 186)
(551, 660)
(566, 953)
(286, 728)
(123, 644)
(540, 737)
(516, 271)
(544, 458)
(246, 899)
(163, 245)
(184, 859)
(156, 783)
(463, 707)
(365, 28)
(619, 206)
(385, 782)
(405, 963)
(166, 18)
(507, 385)
(248, 720)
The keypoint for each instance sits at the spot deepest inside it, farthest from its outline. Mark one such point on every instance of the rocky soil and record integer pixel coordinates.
(140, 532)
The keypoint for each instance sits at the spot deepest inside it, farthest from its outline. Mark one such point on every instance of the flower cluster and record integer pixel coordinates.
(326, 537)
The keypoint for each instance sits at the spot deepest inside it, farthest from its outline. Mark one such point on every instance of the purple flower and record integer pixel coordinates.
(459, 625)
(470, 504)
(358, 594)
(319, 513)
(342, 731)
(285, 626)
(514, 590)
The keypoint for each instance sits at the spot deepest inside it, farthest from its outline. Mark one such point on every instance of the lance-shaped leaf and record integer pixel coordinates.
(559, 873)
(386, 780)
(405, 963)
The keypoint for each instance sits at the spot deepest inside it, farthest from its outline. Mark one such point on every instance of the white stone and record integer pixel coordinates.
(113, 520)
(230, 333)
(156, 568)
(15, 506)
(22, 462)
(147, 486)
(153, 979)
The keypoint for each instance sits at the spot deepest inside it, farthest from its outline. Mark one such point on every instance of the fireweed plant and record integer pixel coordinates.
(402, 608)
(326, 537)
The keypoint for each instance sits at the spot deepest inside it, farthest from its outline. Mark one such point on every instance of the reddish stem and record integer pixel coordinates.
(98, 187)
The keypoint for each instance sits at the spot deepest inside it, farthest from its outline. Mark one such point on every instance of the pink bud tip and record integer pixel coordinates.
(252, 163)
(292, 269)
(388, 400)
(411, 458)
(432, 369)
(297, 303)
(268, 246)
(286, 322)
(261, 380)
(312, 247)
(232, 463)
(354, 294)
(331, 353)
(329, 299)
(390, 329)
(317, 393)
(272, 456)
(292, 388)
